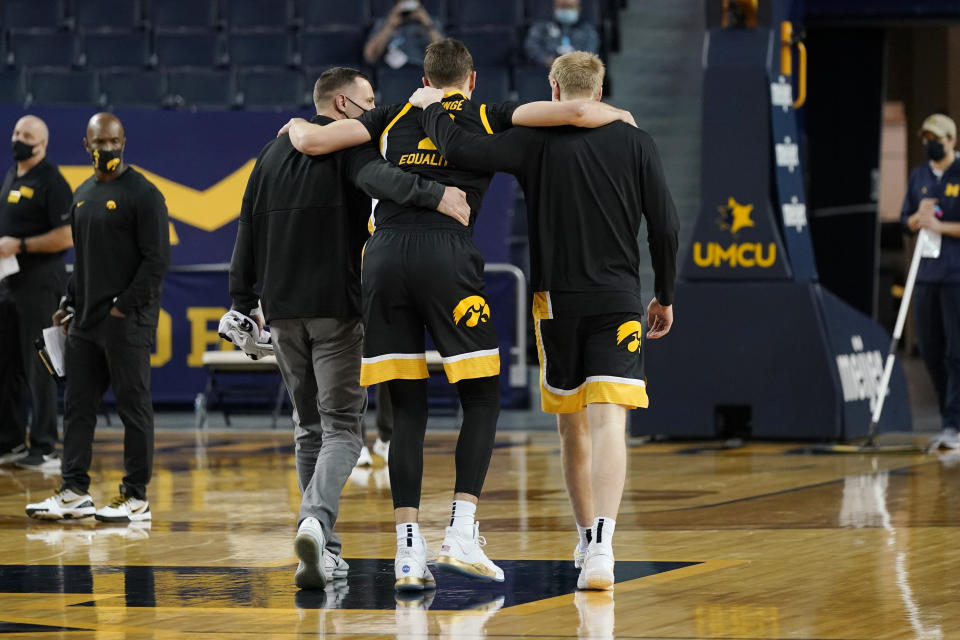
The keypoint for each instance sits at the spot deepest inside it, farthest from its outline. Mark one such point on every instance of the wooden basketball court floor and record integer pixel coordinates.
(760, 542)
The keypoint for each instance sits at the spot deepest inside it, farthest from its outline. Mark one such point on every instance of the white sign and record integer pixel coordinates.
(860, 373)
(781, 94)
(794, 214)
(788, 154)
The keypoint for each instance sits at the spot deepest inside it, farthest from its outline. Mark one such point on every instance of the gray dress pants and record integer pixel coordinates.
(319, 360)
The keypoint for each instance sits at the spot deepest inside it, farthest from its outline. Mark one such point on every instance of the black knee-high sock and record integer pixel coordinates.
(480, 399)
(409, 399)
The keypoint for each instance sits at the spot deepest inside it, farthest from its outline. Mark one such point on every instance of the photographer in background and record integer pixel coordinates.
(400, 39)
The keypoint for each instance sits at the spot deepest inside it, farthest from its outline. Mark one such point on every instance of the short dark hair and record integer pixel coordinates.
(331, 81)
(447, 62)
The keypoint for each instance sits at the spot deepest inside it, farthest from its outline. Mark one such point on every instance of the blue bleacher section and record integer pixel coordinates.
(248, 53)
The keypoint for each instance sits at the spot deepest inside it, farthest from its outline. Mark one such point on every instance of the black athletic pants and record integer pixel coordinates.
(480, 400)
(30, 393)
(116, 351)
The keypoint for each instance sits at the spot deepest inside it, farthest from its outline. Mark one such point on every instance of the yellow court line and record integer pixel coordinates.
(708, 566)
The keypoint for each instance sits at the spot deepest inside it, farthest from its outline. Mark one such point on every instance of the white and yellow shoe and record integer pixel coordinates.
(410, 566)
(464, 555)
(124, 508)
(597, 571)
(64, 504)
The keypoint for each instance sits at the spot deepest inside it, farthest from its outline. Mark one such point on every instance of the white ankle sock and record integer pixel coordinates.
(462, 514)
(408, 533)
(603, 528)
(586, 535)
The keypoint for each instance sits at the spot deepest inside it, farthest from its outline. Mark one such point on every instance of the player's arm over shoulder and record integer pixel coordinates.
(579, 113)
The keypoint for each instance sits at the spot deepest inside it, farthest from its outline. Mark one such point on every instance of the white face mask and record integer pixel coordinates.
(566, 16)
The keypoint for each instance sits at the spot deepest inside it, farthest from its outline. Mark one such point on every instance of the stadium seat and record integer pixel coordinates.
(129, 88)
(100, 14)
(258, 14)
(394, 86)
(188, 48)
(62, 87)
(111, 48)
(32, 14)
(470, 13)
(331, 46)
(206, 88)
(436, 8)
(169, 14)
(531, 83)
(11, 86)
(259, 48)
(325, 13)
(493, 85)
(270, 88)
(490, 47)
(35, 48)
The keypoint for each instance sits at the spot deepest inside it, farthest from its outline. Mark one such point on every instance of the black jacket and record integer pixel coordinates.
(303, 223)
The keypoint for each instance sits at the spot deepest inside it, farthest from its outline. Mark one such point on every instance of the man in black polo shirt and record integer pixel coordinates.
(122, 239)
(35, 228)
(588, 192)
(300, 237)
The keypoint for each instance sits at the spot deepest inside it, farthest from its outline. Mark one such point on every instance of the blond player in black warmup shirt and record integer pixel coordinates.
(587, 193)
(122, 240)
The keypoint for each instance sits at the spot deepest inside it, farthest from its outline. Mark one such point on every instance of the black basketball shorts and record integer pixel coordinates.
(425, 279)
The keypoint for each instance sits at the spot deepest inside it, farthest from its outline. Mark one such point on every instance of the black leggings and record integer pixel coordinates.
(480, 399)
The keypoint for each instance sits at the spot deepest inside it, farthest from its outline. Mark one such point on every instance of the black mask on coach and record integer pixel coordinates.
(21, 150)
(107, 161)
(935, 150)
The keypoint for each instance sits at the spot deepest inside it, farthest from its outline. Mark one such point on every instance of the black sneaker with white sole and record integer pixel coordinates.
(14, 454)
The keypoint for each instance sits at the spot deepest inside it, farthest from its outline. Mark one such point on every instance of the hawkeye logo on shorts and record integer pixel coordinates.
(630, 331)
(474, 309)
(734, 217)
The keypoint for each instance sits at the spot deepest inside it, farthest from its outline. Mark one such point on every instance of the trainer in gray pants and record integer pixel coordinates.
(320, 363)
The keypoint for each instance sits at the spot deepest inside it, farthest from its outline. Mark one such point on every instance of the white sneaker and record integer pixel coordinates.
(124, 508)
(465, 555)
(597, 571)
(410, 567)
(62, 505)
(335, 566)
(946, 439)
(579, 554)
(20, 452)
(382, 449)
(364, 460)
(36, 461)
(309, 547)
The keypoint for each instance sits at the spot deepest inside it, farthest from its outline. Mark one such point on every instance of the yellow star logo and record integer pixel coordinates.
(735, 216)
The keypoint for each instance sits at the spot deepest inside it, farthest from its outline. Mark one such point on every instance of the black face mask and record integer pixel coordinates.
(935, 150)
(21, 150)
(107, 161)
(354, 104)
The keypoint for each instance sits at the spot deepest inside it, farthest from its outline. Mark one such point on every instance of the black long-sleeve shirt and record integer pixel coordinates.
(303, 223)
(121, 235)
(587, 192)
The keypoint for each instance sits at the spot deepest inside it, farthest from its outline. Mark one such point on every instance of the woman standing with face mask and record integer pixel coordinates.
(933, 202)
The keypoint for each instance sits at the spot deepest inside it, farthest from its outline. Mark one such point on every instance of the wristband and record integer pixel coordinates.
(23, 245)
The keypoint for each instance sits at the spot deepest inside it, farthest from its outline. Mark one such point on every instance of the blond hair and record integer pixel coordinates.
(578, 74)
